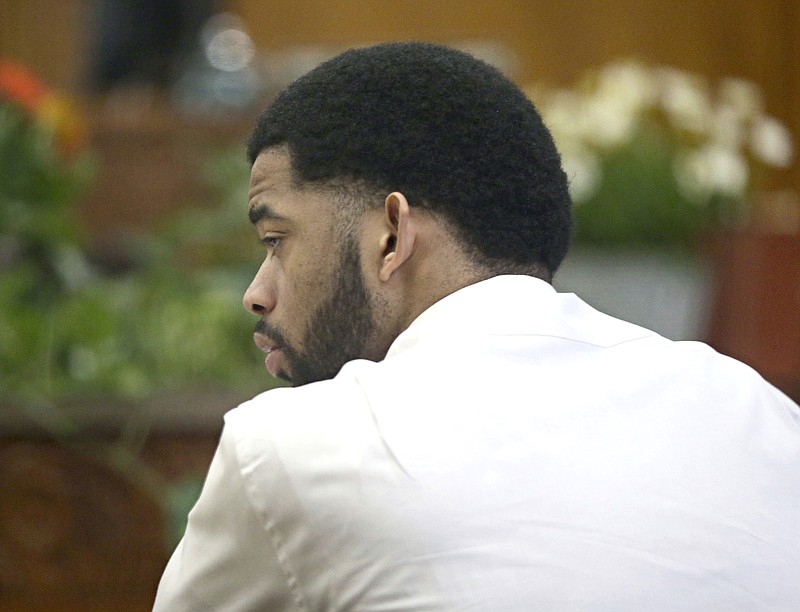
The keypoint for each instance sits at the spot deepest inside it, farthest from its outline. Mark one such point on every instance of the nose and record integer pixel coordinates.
(259, 299)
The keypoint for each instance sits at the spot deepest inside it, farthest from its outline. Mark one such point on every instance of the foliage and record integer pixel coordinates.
(42, 172)
(656, 156)
(72, 332)
(174, 321)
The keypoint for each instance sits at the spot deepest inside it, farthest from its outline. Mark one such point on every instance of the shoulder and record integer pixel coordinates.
(327, 408)
(293, 440)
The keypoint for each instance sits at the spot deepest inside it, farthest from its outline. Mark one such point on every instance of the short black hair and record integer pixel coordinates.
(447, 130)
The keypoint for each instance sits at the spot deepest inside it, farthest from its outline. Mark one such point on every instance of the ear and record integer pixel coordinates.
(397, 243)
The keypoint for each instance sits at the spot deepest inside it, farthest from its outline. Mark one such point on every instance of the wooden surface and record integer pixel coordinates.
(552, 42)
(74, 534)
(756, 316)
(555, 41)
(150, 165)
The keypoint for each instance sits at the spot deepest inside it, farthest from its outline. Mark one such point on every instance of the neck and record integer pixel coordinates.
(439, 267)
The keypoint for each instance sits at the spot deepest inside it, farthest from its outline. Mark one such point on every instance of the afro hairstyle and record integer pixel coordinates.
(447, 130)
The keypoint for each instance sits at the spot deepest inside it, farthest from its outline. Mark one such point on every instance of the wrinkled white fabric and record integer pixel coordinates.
(515, 451)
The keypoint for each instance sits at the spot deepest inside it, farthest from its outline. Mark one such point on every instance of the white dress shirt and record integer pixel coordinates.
(516, 450)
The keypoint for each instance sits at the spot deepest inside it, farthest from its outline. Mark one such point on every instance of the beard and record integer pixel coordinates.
(338, 331)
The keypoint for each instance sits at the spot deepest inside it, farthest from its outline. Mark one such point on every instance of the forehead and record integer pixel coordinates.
(271, 173)
(275, 194)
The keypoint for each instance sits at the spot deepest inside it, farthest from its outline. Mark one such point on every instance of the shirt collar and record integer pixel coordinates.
(495, 305)
(514, 305)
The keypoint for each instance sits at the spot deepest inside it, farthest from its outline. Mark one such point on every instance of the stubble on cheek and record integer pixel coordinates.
(341, 325)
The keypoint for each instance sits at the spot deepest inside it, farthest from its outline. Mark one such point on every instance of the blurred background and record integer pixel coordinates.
(124, 247)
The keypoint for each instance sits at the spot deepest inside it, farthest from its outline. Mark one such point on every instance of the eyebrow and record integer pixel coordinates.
(259, 212)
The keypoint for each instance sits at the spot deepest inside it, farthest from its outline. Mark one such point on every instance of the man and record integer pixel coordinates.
(461, 436)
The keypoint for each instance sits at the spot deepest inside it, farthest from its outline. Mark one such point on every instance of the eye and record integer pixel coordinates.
(271, 243)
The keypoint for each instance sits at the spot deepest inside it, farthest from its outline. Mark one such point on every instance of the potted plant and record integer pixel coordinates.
(657, 159)
(92, 358)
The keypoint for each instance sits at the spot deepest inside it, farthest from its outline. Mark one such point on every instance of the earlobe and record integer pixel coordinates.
(398, 242)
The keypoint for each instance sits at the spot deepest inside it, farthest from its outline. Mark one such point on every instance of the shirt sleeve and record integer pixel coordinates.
(225, 560)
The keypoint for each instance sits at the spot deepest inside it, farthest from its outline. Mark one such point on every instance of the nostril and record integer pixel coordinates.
(252, 306)
(259, 298)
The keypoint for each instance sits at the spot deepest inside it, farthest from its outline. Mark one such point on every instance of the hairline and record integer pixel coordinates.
(352, 200)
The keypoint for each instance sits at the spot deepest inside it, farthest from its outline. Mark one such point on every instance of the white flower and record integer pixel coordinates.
(608, 121)
(686, 100)
(726, 128)
(629, 83)
(708, 138)
(561, 112)
(771, 142)
(583, 171)
(713, 169)
(743, 96)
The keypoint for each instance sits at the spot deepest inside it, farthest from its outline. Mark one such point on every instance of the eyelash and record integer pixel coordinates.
(271, 243)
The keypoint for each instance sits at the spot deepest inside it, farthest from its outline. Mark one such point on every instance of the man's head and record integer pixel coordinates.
(448, 131)
(410, 170)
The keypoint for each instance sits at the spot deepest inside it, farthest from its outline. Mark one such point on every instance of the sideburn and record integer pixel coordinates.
(342, 326)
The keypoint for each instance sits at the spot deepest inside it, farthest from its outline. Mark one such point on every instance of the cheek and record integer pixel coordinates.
(305, 286)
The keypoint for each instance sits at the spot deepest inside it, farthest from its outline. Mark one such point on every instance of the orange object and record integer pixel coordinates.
(18, 85)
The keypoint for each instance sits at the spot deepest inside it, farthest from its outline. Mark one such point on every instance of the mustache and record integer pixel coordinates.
(272, 332)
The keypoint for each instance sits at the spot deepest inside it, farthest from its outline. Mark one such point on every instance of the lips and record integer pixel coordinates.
(264, 343)
(273, 353)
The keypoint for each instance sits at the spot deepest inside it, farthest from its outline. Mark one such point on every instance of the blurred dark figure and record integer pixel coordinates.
(143, 41)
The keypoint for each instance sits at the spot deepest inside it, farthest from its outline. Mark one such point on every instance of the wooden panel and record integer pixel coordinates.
(756, 316)
(74, 534)
(150, 165)
(792, 79)
(556, 41)
(51, 36)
